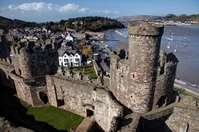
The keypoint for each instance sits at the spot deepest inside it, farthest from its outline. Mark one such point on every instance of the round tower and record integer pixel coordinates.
(144, 46)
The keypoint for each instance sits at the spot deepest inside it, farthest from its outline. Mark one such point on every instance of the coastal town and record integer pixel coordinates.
(75, 70)
(72, 44)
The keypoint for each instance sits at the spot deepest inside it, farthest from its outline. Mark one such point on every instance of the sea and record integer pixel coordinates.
(185, 42)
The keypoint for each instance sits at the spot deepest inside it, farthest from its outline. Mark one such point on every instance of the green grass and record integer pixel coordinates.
(55, 119)
(58, 118)
(87, 70)
(182, 92)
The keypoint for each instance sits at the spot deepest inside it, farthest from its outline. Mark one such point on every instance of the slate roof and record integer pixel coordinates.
(64, 50)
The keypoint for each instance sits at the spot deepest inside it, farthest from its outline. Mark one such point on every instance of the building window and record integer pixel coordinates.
(65, 60)
(66, 64)
(76, 59)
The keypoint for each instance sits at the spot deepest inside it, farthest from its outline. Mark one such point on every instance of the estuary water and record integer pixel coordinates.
(185, 42)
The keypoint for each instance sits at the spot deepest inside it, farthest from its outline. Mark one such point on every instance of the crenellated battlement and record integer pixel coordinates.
(6, 60)
(65, 72)
(32, 59)
(145, 29)
(34, 47)
(166, 60)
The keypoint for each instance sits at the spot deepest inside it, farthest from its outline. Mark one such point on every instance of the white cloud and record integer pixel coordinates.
(42, 6)
(83, 9)
(108, 12)
(41, 11)
(12, 7)
(50, 6)
(29, 6)
(69, 7)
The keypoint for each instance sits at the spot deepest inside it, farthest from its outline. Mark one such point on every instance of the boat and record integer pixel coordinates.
(185, 37)
(170, 39)
(175, 50)
(185, 44)
(168, 46)
(120, 33)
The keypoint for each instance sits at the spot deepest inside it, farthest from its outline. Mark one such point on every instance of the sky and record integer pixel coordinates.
(56, 10)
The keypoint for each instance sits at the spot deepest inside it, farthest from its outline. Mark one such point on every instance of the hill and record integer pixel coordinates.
(92, 23)
(182, 17)
(173, 17)
(79, 23)
(137, 18)
(6, 23)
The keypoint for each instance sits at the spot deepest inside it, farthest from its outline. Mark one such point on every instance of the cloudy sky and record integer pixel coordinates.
(55, 10)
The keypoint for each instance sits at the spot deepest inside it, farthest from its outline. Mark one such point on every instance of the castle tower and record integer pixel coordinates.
(31, 60)
(144, 46)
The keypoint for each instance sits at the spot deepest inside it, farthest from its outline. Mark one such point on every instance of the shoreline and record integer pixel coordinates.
(187, 70)
(192, 89)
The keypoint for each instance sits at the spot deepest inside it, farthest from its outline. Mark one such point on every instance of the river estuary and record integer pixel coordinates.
(185, 42)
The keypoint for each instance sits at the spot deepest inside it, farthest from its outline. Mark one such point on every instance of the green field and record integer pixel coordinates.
(49, 117)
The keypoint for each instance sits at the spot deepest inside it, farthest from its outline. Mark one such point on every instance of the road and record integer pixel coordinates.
(192, 89)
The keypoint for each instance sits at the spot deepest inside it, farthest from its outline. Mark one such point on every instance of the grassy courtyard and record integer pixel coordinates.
(55, 117)
(49, 117)
(86, 70)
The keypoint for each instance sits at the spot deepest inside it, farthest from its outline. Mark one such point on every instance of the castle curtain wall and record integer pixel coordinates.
(79, 97)
(5, 70)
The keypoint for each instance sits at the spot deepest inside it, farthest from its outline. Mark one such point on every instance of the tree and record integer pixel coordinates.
(170, 16)
(86, 51)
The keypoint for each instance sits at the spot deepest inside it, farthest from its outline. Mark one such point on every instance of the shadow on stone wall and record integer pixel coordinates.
(12, 109)
(156, 125)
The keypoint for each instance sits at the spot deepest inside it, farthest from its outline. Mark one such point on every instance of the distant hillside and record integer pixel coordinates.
(173, 17)
(79, 23)
(6, 23)
(92, 23)
(182, 17)
(137, 18)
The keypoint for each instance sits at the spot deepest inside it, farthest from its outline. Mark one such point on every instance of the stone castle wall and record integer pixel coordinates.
(119, 81)
(165, 80)
(29, 90)
(185, 116)
(81, 97)
(133, 81)
(145, 80)
(32, 60)
(144, 46)
(4, 47)
(184, 119)
(180, 116)
(141, 82)
(5, 69)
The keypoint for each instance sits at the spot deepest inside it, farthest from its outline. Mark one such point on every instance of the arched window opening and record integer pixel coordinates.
(43, 97)
(89, 113)
(162, 101)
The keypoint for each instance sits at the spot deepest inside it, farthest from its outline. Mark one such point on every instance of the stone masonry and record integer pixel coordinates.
(136, 97)
(143, 79)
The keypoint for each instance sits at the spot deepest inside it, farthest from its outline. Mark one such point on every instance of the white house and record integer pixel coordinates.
(70, 58)
(69, 37)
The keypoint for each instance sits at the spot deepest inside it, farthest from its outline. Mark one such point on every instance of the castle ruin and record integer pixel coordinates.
(141, 84)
